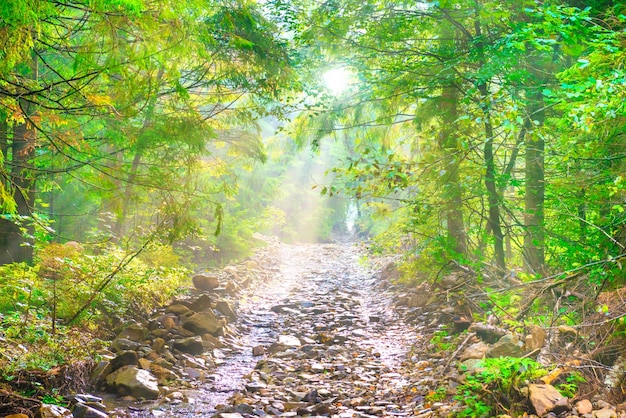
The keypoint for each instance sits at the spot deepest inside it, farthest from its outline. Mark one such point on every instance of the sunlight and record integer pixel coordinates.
(337, 80)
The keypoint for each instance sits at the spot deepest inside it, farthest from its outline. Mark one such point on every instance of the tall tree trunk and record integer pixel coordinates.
(534, 216)
(452, 191)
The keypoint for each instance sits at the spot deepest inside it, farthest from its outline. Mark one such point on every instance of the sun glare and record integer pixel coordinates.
(337, 80)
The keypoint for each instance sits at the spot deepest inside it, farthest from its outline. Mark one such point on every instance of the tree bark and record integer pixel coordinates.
(534, 216)
(452, 191)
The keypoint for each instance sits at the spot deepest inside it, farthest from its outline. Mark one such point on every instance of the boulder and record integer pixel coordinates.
(487, 333)
(134, 332)
(201, 304)
(177, 309)
(100, 372)
(508, 346)
(546, 399)
(211, 342)
(224, 308)
(475, 351)
(130, 380)
(124, 358)
(204, 323)
(84, 411)
(191, 345)
(54, 411)
(158, 345)
(124, 344)
(205, 281)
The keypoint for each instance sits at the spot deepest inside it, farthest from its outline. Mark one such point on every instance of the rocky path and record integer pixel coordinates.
(315, 334)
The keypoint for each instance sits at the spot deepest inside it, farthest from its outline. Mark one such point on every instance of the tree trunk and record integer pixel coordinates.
(452, 191)
(534, 238)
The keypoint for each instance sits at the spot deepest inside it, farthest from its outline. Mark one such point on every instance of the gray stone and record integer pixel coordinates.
(134, 332)
(508, 346)
(129, 380)
(84, 411)
(124, 358)
(204, 323)
(124, 344)
(191, 345)
(475, 351)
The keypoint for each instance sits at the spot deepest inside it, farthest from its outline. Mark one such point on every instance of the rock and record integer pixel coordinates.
(167, 321)
(100, 372)
(508, 346)
(546, 399)
(604, 413)
(289, 341)
(124, 358)
(54, 411)
(158, 345)
(418, 300)
(134, 332)
(487, 333)
(201, 304)
(258, 350)
(191, 345)
(535, 339)
(584, 407)
(129, 380)
(210, 341)
(84, 411)
(621, 407)
(230, 415)
(16, 416)
(205, 281)
(224, 308)
(163, 374)
(475, 351)
(124, 344)
(178, 309)
(204, 323)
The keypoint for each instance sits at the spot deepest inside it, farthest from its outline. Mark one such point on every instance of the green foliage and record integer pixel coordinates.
(495, 384)
(570, 387)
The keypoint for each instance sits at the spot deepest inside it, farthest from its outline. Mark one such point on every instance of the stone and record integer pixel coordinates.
(417, 300)
(100, 372)
(54, 411)
(225, 309)
(535, 339)
(475, 351)
(604, 413)
(134, 332)
(230, 415)
(584, 407)
(130, 380)
(258, 350)
(210, 341)
(205, 281)
(508, 346)
(289, 341)
(178, 309)
(144, 363)
(163, 374)
(158, 345)
(16, 416)
(124, 358)
(167, 321)
(204, 322)
(191, 345)
(546, 399)
(84, 411)
(201, 304)
(124, 344)
(487, 333)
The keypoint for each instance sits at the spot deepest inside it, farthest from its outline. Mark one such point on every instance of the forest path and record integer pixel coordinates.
(327, 342)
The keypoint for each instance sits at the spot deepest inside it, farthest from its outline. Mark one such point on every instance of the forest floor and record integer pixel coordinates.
(318, 331)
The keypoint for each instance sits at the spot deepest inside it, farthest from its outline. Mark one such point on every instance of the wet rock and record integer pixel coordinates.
(508, 346)
(255, 386)
(124, 344)
(158, 345)
(191, 345)
(134, 332)
(201, 304)
(168, 322)
(258, 350)
(546, 399)
(129, 380)
(210, 341)
(224, 308)
(204, 323)
(487, 333)
(54, 411)
(205, 281)
(81, 410)
(124, 358)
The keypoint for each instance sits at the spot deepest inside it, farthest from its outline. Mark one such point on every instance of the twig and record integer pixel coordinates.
(458, 350)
